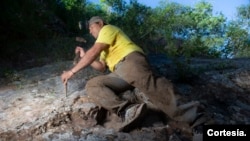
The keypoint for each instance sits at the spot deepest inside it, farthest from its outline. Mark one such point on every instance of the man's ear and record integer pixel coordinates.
(101, 23)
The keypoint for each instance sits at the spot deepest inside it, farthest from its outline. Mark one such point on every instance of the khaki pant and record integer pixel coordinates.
(132, 71)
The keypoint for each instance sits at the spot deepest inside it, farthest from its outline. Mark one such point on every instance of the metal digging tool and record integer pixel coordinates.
(66, 89)
(77, 56)
(81, 42)
(75, 61)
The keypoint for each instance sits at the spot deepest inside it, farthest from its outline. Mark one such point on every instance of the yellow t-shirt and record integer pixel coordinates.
(119, 45)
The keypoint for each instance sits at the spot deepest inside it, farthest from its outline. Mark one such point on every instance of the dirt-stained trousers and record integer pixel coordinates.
(133, 71)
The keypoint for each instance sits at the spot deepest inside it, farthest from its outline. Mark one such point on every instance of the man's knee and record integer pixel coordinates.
(94, 82)
(91, 86)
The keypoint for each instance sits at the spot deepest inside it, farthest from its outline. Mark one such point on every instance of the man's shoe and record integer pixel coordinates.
(133, 116)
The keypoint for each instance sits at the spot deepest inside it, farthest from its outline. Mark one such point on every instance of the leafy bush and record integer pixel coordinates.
(35, 29)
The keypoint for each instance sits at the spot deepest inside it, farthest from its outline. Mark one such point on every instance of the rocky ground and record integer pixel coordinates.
(33, 106)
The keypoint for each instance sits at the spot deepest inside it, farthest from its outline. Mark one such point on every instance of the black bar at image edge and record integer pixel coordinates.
(239, 132)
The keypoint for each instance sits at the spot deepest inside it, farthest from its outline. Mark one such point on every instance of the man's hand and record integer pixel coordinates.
(66, 76)
(80, 49)
(79, 54)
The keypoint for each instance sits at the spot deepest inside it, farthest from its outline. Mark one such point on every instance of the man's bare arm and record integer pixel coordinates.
(90, 57)
(99, 65)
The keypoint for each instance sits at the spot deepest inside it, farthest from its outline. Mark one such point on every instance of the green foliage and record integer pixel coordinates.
(244, 15)
(22, 20)
(71, 4)
(238, 34)
(199, 32)
(117, 6)
(137, 15)
(130, 17)
(237, 41)
(32, 28)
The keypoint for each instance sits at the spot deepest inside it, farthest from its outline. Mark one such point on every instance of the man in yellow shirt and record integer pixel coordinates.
(129, 69)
